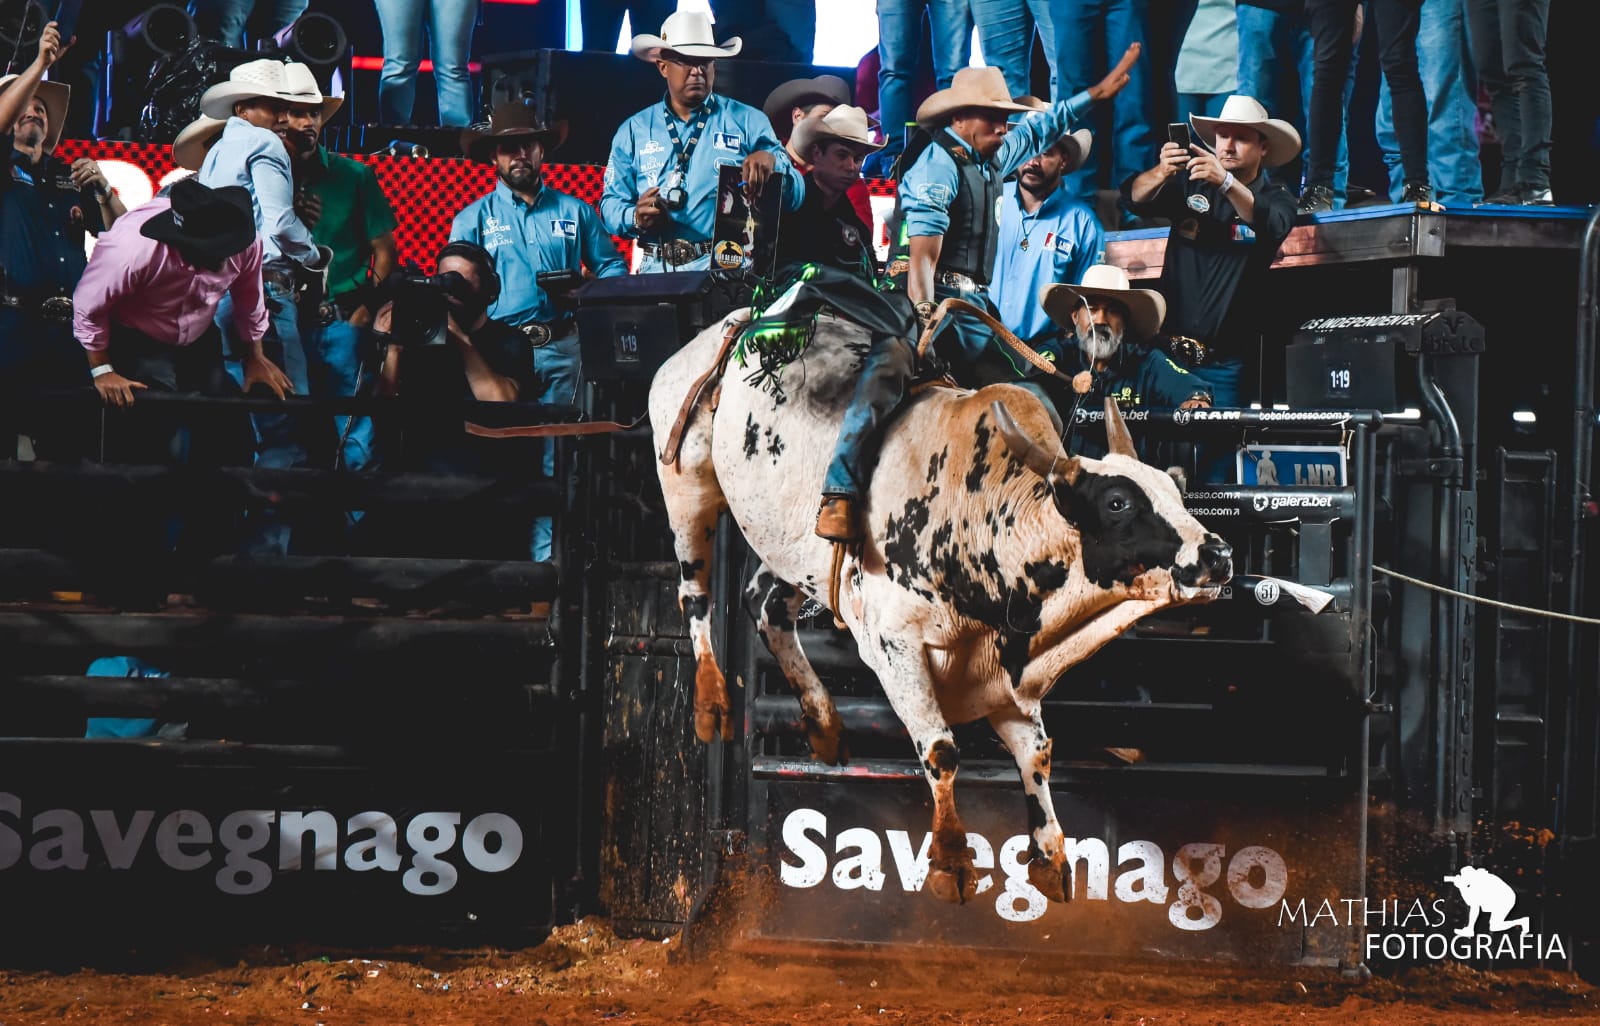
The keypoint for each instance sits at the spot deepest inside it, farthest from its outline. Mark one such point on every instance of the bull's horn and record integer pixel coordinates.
(1033, 456)
(1117, 437)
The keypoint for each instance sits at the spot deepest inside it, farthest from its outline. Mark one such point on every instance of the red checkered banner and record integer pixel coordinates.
(426, 192)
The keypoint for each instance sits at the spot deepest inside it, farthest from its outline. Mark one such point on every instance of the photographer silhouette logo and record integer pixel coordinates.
(1483, 891)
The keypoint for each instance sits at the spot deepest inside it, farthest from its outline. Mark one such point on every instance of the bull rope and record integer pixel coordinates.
(1441, 589)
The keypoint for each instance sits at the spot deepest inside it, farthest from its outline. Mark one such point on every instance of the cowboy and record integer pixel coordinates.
(44, 218)
(1228, 221)
(1107, 322)
(827, 229)
(944, 236)
(1047, 235)
(345, 208)
(530, 228)
(661, 179)
(145, 309)
(253, 104)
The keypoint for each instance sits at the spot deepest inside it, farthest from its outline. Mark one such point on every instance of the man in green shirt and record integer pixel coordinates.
(341, 202)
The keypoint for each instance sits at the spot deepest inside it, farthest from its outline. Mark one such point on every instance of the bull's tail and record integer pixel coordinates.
(731, 326)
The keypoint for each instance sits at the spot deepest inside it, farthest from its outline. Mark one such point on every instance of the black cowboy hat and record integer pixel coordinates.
(512, 119)
(204, 224)
(801, 92)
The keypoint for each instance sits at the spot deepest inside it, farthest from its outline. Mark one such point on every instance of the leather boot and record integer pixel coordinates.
(837, 519)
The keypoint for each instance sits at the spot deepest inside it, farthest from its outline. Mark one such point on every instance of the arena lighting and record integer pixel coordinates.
(313, 39)
(21, 21)
(1524, 417)
(162, 30)
(133, 51)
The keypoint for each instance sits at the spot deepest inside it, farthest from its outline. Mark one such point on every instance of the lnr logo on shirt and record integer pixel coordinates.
(564, 229)
(726, 140)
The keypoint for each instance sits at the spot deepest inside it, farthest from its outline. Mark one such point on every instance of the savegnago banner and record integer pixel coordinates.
(244, 850)
(1421, 930)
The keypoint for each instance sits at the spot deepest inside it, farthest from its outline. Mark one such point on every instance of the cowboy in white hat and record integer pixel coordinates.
(1228, 221)
(46, 214)
(827, 229)
(1047, 234)
(662, 177)
(942, 244)
(250, 152)
(1106, 320)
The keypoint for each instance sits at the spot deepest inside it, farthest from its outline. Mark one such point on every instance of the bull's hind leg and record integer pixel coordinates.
(776, 606)
(694, 502)
(1030, 746)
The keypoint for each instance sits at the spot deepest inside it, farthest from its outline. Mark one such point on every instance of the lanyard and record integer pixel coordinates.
(681, 150)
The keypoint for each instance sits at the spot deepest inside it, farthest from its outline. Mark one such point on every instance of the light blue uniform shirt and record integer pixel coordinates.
(1064, 240)
(931, 183)
(556, 232)
(642, 156)
(255, 159)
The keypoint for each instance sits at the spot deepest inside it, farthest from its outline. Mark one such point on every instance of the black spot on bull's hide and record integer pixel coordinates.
(1036, 818)
(980, 455)
(776, 607)
(696, 607)
(689, 569)
(1046, 575)
(943, 758)
(752, 437)
(902, 553)
(1122, 534)
(774, 445)
(936, 464)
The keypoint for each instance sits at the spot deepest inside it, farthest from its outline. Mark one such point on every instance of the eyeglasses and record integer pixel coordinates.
(687, 62)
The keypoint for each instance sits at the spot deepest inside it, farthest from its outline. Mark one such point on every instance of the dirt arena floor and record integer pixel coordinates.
(585, 974)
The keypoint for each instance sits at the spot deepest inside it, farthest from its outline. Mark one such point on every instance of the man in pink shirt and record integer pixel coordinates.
(144, 308)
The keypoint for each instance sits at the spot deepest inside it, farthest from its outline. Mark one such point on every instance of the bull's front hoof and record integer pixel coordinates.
(956, 886)
(711, 705)
(830, 748)
(1049, 878)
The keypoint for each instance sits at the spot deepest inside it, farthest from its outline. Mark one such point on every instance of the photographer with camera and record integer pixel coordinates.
(662, 176)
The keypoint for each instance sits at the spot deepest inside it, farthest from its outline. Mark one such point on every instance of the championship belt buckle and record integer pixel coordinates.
(677, 252)
(1190, 350)
(327, 313)
(56, 308)
(538, 334)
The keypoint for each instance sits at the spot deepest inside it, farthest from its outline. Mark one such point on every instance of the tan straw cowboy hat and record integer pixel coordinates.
(972, 88)
(847, 124)
(274, 79)
(1283, 142)
(512, 119)
(55, 96)
(1074, 145)
(189, 148)
(1146, 308)
(688, 33)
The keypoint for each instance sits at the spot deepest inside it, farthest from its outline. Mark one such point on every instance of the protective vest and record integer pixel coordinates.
(969, 243)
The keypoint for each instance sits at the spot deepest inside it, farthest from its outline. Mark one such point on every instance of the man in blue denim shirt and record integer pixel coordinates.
(529, 227)
(661, 180)
(250, 153)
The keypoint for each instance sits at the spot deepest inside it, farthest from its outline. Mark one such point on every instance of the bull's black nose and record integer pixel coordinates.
(1216, 556)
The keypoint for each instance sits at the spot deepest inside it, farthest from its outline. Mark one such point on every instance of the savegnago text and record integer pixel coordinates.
(245, 849)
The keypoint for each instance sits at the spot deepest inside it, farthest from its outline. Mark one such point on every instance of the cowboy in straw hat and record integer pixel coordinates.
(801, 98)
(136, 314)
(942, 244)
(1107, 319)
(662, 177)
(827, 229)
(1046, 233)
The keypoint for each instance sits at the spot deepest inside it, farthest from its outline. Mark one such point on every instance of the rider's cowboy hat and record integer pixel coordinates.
(274, 79)
(54, 96)
(972, 88)
(801, 92)
(511, 120)
(189, 148)
(1074, 145)
(687, 33)
(1146, 308)
(1283, 142)
(847, 124)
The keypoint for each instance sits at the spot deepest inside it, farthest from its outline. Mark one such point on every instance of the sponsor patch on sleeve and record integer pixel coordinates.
(564, 228)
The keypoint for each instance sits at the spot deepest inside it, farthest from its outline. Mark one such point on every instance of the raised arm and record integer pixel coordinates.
(15, 99)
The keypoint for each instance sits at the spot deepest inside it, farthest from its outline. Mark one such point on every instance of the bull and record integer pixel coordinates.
(992, 561)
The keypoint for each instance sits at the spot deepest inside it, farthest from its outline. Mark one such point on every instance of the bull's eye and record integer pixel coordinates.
(1116, 504)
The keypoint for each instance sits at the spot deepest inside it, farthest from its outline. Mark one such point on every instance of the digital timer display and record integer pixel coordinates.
(1339, 379)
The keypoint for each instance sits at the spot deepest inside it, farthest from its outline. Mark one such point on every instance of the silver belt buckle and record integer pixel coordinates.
(538, 334)
(327, 313)
(677, 252)
(56, 308)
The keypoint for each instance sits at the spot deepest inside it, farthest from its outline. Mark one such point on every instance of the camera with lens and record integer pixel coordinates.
(421, 312)
(673, 194)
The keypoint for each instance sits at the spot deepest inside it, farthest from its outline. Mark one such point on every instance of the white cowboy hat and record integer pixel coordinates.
(1283, 142)
(189, 148)
(688, 33)
(847, 124)
(1146, 308)
(1074, 145)
(291, 83)
(981, 88)
(55, 96)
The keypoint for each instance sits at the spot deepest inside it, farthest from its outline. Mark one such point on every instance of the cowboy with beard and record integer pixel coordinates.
(1104, 322)
(528, 227)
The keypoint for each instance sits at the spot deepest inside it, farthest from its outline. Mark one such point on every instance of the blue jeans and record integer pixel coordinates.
(1090, 36)
(1006, 29)
(1508, 46)
(279, 442)
(333, 352)
(1221, 376)
(224, 20)
(880, 390)
(557, 367)
(1263, 35)
(899, 29)
(450, 25)
(1448, 79)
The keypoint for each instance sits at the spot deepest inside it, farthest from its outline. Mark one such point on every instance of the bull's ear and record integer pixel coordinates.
(1117, 437)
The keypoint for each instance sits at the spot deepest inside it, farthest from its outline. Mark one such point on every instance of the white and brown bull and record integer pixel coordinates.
(992, 561)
